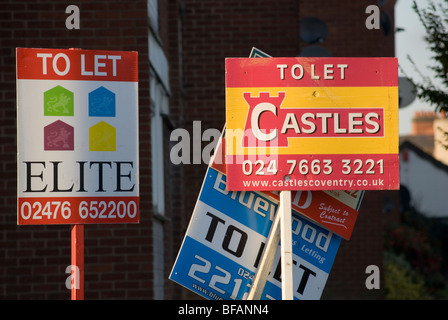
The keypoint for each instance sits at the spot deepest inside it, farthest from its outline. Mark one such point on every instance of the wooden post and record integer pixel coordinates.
(78, 261)
(286, 244)
(266, 261)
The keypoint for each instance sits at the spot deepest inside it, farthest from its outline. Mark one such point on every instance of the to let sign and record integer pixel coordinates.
(226, 236)
(77, 131)
(312, 123)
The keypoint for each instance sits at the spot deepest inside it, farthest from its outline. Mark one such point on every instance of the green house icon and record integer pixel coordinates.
(58, 101)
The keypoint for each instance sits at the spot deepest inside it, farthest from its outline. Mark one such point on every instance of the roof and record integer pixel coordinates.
(409, 145)
(423, 141)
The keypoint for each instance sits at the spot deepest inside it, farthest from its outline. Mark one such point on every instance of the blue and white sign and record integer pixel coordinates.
(225, 239)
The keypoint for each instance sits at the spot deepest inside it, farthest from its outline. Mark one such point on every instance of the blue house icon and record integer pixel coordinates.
(101, 103)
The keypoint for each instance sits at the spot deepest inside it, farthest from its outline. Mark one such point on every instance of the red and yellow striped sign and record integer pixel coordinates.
(312, 123)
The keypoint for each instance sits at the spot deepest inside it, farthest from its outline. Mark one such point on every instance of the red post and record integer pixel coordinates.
(78, 256)
(78, 261)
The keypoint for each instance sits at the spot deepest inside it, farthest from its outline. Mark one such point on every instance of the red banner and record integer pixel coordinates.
(336, 212)
(78, 210)
(66, 64)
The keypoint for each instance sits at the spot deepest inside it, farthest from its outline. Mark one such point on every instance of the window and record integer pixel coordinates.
(153, 15)
(159, 97)
(159, 107)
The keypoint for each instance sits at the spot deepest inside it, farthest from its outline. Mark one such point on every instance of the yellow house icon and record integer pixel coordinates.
(102, 137)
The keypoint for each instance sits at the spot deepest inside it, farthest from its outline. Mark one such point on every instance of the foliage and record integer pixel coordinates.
(402, 282)
(413, 251)
(413, 259)
(435, 21)
(416, 247)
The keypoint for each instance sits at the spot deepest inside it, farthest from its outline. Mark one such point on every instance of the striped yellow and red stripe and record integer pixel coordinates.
(367, 83)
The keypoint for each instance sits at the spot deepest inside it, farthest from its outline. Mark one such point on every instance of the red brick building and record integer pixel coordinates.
(182, 45)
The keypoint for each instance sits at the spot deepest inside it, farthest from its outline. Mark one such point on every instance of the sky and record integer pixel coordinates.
(411, 42)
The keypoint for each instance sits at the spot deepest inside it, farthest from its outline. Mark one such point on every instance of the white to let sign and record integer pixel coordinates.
(77, 128)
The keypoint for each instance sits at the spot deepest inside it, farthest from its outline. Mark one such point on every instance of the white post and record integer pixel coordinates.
(266, 261)
(286, 244)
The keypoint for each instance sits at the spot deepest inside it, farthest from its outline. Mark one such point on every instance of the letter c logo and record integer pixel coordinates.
(256, 114)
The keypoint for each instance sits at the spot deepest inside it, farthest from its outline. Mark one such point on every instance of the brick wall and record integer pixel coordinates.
(118, 258)
(211, 33)
(347, 32)
(422, 123)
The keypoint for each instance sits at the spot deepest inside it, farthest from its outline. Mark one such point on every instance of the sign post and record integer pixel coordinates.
(77, 129)
(274, 107)
(77, 248)
(286, 244)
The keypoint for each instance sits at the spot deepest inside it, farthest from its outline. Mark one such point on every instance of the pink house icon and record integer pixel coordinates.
(59, 136)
